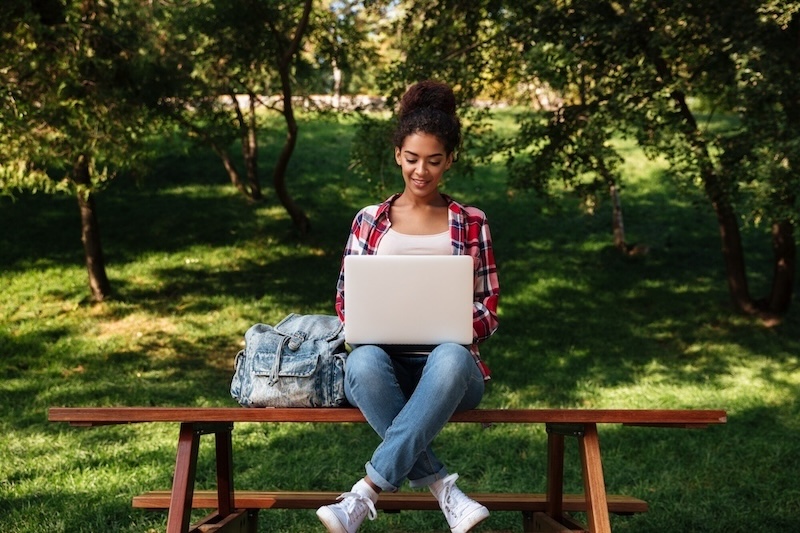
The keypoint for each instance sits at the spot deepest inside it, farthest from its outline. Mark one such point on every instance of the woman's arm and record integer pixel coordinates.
(487, 287)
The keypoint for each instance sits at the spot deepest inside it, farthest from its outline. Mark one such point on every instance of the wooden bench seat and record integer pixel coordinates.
(397, 501)
(237, 511)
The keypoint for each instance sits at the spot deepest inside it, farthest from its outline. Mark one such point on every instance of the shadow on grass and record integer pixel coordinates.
(250, 280)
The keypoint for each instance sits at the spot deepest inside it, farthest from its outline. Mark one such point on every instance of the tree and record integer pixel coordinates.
(648, 70)
(231, 57)
(71, 116)
(649, 67)
(341, 49)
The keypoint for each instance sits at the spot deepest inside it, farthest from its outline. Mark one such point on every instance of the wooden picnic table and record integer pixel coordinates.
(547, 512)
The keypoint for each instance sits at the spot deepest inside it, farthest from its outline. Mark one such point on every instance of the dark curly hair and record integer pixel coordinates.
(429, 107)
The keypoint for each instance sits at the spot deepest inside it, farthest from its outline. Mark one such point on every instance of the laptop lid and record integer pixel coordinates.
(408, 299)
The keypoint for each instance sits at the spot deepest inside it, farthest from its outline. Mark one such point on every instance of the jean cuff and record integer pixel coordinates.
(427, 480)
(378, 479)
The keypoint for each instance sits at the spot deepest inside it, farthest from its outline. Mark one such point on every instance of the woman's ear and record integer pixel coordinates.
(397, 156)
(448, 161)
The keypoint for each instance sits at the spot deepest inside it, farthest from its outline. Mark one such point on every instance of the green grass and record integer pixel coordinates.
(193, 264)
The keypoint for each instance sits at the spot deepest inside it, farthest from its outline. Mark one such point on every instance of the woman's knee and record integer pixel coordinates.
(364, 359)
(452, 359)
(454, 368)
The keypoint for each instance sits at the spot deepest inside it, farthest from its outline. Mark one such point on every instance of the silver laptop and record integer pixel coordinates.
(408, 300)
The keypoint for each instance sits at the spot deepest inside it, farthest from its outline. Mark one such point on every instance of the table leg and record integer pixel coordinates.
(224, 454)
(593, 482)
(180, 504)
(555, 474)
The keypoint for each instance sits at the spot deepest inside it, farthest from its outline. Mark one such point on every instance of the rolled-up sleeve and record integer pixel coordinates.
(487, 287)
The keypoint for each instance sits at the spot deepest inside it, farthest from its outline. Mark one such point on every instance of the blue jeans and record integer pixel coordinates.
(407, 400)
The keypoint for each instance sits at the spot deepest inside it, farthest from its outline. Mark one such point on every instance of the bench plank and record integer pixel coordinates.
(95, 416)
(397, 501)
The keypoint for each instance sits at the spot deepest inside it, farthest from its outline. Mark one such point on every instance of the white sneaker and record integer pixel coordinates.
(347, 515)
(462, 513)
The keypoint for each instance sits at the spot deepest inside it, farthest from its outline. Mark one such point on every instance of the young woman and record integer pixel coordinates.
(407, 398)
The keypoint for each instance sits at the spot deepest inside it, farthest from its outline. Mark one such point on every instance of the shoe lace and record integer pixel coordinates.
(452, 497)
(357, 504)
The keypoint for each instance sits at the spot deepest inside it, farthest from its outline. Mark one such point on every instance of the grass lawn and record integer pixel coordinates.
(193, 265)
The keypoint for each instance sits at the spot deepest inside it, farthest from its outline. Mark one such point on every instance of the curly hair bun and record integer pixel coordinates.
(429, 107)
(428, 94)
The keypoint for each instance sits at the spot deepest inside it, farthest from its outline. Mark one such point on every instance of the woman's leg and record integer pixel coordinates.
(448, 381)
(374, 385)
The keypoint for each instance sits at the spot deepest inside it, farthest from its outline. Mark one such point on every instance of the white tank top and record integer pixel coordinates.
(395, 243)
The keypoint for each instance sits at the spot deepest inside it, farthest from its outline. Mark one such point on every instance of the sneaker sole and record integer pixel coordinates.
(330, 521)
(473, 519)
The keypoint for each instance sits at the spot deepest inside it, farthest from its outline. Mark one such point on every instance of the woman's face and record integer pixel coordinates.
(423, 162)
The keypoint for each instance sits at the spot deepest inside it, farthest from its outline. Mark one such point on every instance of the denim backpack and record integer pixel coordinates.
(297, 363)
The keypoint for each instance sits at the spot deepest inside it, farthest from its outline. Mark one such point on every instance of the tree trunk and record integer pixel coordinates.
(90, 231)
(616, 218)
(251, 159)
(248, 139)
(784, 267)
(222, 152)
(732, 251)
(337, 85)
(299, 218)
(230, 168)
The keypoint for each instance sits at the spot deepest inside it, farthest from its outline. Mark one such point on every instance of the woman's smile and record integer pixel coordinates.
(423, 161)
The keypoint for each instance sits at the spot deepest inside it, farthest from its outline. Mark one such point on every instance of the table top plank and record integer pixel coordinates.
(95, 416)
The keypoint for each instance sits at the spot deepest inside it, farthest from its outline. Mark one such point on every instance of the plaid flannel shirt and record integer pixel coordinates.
(469, 234)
